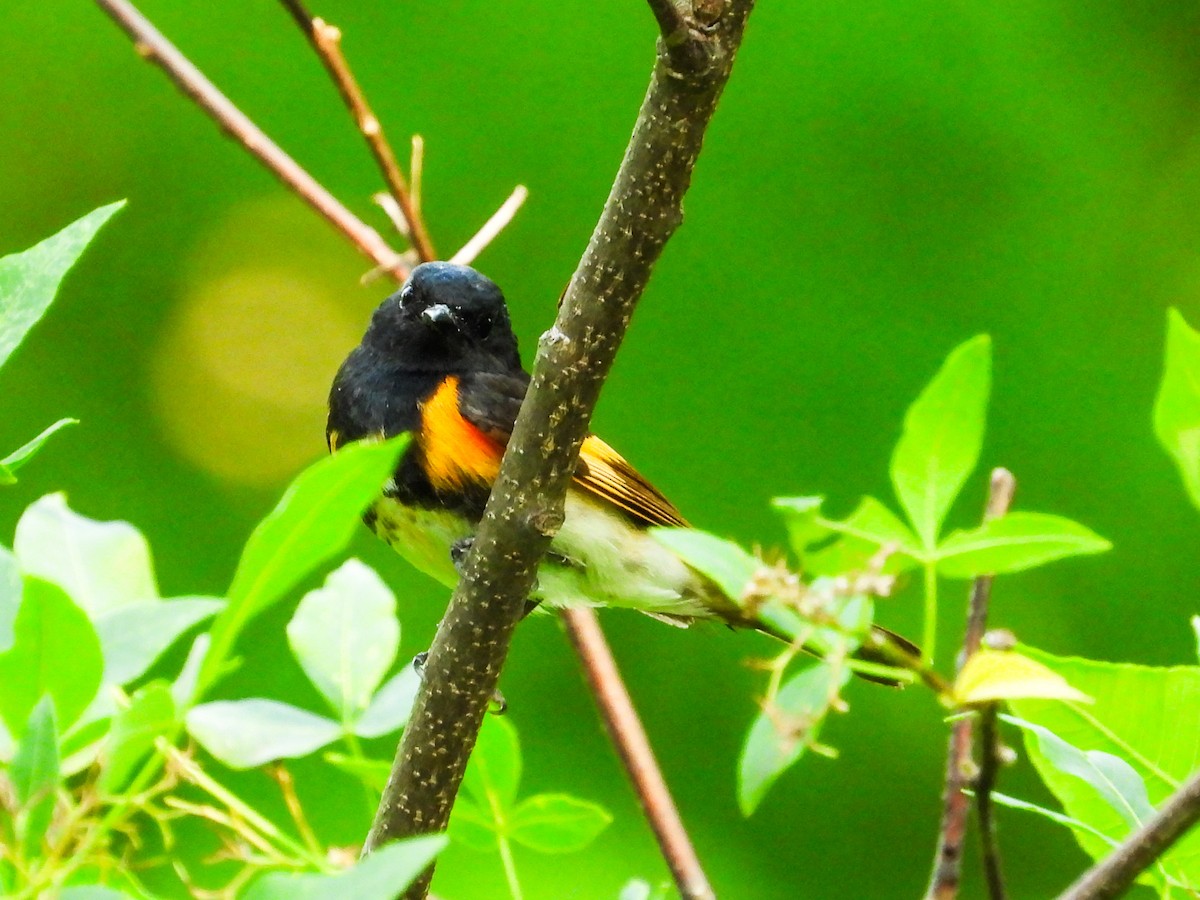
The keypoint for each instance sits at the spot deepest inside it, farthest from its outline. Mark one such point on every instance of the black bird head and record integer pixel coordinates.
(445, 318)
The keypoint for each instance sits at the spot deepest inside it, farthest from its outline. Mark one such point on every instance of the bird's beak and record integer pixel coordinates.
(438, 314)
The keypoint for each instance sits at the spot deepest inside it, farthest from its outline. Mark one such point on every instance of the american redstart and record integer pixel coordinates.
(440, 361)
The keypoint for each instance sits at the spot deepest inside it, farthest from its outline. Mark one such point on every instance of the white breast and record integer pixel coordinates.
(597, 559)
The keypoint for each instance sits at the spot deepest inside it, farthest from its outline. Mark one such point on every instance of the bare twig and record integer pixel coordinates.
(526, 506)
(960, 768)
(1115, 874)
(628, 736)
(154, 47)
(989, 769)
(678, 34)
(492, 227)
(327, 41)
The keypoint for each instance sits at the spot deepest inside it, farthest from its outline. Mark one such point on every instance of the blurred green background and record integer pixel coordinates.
(883, 180)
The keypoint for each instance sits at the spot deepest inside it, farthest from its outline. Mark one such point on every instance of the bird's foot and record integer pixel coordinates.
(459, 550)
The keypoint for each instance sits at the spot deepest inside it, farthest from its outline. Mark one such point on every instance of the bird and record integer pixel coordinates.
(440, 362)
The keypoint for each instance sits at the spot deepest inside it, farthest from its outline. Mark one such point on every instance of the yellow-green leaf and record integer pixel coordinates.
(991, 675)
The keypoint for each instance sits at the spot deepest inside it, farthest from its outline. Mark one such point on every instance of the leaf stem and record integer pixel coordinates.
(510, 867)
(929, 632)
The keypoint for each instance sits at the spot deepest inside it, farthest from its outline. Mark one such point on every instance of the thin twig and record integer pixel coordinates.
(525, 510)
(154, 47)
(677, 34)
(492, 227)
(1115, 874)
(960, 768)
(989, 770)
(326, 39)
(629, 737)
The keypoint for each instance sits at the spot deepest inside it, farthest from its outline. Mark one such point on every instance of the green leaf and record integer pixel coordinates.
(991, 675)
(150, 715)
(1013, 543)
(1139, 714)
(101, 565)
(315, 519)
(802, 516)
(391, 706)
(12, 463)
(93, 892)
(248, 733)
(1177, 408)
(381, 876)
(473, 827)
(345, 636)
(728, 565)
(135, 636)
(29, 280)
(1052, 815)
(55, 652)
(35, 776)
(865, 532)
(183, 688)
(1115, 781)
(10, 596)
(557, 823)
(803, 702)
(494, 772)
(942, 438)
(371, 772)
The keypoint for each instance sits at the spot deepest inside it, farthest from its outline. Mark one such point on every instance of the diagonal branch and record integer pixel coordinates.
(629, 737)
(947, 870)
(1116, 873)
(326, 39)
(526, 507)
(154, 47)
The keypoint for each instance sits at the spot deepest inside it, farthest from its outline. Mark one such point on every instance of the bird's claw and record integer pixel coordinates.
(459, 550)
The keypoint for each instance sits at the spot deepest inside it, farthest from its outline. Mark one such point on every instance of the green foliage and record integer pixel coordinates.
(345, 636)
(1177, 409)
(244, 734)
(1135, 718)
(942, 438)
(11, 464)
(55, 653)
(490, 818)
(381, 876)
(28, 283)
(992, 675)
(35, 775)
(313, 521)
(728, 565)
(782, 733)
(149, 716)
(29, 280)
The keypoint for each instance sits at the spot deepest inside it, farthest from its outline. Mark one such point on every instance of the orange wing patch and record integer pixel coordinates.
(456, 452)
(605, 474)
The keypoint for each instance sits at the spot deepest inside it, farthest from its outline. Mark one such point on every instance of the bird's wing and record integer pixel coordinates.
(490, 402)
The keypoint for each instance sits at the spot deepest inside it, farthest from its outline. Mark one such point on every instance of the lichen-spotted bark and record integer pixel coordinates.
(643, 210)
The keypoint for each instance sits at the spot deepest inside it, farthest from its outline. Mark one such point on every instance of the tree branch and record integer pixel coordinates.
(629, 737)
(154, 47)
(1115, 874)
(526, 506)
(326, 39)
(956, 804)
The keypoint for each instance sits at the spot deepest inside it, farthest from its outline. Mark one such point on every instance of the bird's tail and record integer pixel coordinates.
(866, 653)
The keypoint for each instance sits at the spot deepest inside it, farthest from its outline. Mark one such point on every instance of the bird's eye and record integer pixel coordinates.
(405, 295)
(483, 326)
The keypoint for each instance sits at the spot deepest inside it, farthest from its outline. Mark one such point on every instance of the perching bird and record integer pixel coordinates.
(440, 361)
